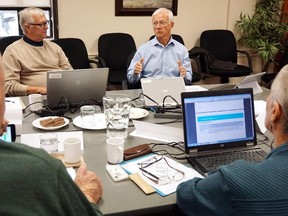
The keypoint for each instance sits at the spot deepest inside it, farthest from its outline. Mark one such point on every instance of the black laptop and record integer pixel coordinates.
(219, 128)
(76, 87)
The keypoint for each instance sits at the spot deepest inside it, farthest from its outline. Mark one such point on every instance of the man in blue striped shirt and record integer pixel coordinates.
(162, 56)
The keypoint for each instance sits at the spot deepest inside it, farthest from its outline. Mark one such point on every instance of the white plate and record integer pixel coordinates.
(100, 122)
(138, 113)
(36, 123)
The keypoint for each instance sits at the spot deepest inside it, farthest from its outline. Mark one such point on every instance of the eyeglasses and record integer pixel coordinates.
(161, 173)
(160, 23)
(42, 25)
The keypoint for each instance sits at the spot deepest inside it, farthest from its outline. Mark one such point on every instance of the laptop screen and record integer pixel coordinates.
(218, 119)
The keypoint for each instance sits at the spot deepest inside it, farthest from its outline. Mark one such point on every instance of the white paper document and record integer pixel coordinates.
(157, 132)
(254, 85)
(163, 169)
(195, 88)
(259, 106)
(33, 140)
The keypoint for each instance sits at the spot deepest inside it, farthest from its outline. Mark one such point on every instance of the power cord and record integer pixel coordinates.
(175, 145)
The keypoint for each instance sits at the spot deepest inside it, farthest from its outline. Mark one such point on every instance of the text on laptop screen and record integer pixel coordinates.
(218, 119)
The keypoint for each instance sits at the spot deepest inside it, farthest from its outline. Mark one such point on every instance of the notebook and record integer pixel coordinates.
(75, 87)
(218, 122)
(159, 88)
(248, 79)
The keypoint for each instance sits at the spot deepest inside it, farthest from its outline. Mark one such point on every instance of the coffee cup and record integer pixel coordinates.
(35, 101)
(72, 150)
(115, 150)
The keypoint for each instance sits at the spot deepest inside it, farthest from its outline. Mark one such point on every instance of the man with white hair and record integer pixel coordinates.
(27, 60)
(242, 187)
(162, 56)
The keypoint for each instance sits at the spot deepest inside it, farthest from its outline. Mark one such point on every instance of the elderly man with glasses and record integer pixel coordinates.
(162, 56)
(27, 60)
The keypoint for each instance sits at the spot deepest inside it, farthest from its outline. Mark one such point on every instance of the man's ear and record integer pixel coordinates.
(276, 112)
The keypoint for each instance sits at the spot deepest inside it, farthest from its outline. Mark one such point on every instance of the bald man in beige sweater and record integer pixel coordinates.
(27, 60)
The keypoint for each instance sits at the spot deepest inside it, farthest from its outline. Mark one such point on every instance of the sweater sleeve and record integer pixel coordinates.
(208, 196)
(12, 70)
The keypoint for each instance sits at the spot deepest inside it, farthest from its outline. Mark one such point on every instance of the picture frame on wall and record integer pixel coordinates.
(143, 7)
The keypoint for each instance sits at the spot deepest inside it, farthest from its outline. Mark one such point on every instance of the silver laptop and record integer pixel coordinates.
(247, 79)
(219, 128)
(76, 87)
(163, 91)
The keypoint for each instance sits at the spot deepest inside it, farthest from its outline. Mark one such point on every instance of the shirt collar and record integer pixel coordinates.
(281, 148)
(31, 42)
(155, 41)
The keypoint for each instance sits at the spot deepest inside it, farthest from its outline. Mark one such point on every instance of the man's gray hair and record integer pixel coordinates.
(279, 93)
(26, 16)
(164, 10)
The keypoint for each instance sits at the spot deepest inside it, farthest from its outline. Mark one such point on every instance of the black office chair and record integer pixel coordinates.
(113, 52)
(6, 41)
(196, 76)
(218, 55)
(268, 78)
(76, 52)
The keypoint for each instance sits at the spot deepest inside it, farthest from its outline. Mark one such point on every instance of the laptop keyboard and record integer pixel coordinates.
(213, 161)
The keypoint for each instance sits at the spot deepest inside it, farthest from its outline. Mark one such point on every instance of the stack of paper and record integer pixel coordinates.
(133, 166)
(13, 112)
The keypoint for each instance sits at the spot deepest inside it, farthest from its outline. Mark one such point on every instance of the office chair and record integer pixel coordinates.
(113, 52)
(196, 77)
(6, 41)
(268, 78)
(76, 52)
(218, 55)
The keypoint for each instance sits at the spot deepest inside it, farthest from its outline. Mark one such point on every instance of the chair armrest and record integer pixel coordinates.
(266, 66)
(196, 58)
(101, 62)
(248, 57)
(97, 63)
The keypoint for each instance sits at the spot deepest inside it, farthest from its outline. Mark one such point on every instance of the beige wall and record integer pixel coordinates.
(88, 19)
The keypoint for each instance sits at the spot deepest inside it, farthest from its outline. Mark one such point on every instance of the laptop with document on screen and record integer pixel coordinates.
(219, 128)
(158, 88)
(75, 87)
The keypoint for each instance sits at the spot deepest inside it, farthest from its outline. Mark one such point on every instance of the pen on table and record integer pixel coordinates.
(9, 101)
(149, 173)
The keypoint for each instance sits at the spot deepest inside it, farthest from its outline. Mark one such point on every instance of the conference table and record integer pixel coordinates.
(124, 197)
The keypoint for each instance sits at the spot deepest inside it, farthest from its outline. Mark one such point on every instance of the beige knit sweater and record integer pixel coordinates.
(26, 65)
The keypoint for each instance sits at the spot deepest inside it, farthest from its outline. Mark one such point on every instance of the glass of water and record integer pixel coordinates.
(49, 142)
(117, 109)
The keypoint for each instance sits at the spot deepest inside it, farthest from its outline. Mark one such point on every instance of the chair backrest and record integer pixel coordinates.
(75, 50)
(220, 43)
(6, 41)
(175, 37)
(114, 49)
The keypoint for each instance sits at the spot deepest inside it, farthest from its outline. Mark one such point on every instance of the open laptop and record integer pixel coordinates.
(75, 87)
(247, 79)
(217, 124)
(162, 91)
